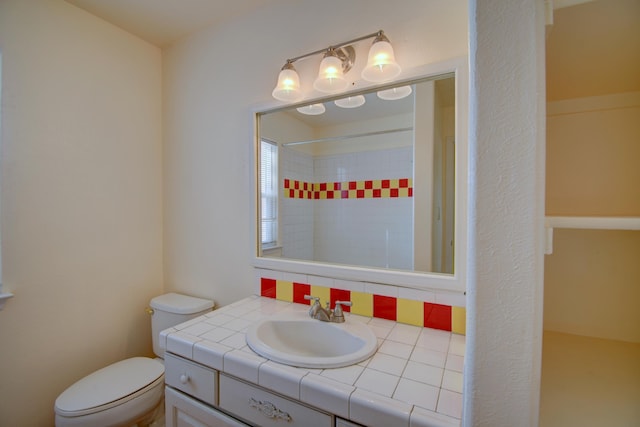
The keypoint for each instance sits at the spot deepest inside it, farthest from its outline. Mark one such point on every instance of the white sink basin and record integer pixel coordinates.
(299, 340)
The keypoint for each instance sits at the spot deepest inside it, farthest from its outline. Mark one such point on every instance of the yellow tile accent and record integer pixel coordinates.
(323, 194)
(385, 192)
(360, 185)
(362, 304)
(368, 194)
(321, 292)
(284, 290)
(353, 194)
(377, 183)
(410, 312)
(459, 320)
(394, 183)
(403, 192)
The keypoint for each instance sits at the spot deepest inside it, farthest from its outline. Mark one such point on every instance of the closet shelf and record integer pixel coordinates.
(587, 222)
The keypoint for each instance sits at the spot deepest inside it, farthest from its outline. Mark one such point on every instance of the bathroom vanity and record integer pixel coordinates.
(213, 377)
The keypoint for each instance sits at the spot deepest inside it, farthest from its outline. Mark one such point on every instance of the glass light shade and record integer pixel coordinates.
(395, 93)
(288, 87)
(381, 65)
(330, 77)
(350, 102)
(312, 110)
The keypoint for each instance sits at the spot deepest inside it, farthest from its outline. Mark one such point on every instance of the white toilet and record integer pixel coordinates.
(129, 392)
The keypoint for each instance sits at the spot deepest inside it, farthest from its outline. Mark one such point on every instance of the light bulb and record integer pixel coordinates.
(381, 65)
(288, 87)
(330, 76)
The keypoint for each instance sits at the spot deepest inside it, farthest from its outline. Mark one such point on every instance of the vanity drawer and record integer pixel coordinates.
(267, 409)
(191, 378)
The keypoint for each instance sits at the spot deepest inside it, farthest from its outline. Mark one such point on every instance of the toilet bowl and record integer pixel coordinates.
(129, 392)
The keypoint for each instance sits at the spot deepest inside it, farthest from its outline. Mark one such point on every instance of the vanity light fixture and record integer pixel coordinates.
(312, 110)
(350, 101)
(395, 93)
(337, 61)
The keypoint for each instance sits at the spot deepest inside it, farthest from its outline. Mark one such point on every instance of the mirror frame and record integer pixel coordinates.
(455, 282)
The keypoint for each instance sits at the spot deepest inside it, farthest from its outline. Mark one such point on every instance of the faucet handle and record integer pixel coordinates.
(315, 300)
(338, 314)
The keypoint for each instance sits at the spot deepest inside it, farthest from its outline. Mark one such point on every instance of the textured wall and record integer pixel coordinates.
(504, 298)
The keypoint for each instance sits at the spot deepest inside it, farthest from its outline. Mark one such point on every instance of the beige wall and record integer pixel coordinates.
(592, 279)
(81, 200)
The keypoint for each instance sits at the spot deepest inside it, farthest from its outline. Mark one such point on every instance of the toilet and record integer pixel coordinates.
(129, 392)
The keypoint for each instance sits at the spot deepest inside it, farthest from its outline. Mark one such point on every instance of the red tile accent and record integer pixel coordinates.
(384, 307)
(299, 291)
(368, 185)
(404, 183)
(386, 183)
(393, 192)
(340, 295)
(323, 186)
(360, 194)
(410, 192)
(352, 185)
(344, 194)
(437, 316)
(377, 192)
(286, 183)
(267, 287)
(337, 186)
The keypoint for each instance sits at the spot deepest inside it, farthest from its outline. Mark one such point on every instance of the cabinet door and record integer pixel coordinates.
(183, 411)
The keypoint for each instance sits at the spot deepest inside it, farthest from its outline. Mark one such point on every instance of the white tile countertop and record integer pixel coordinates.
(414, 379)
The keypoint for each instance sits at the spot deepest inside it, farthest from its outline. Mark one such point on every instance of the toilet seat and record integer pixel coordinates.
(113, 386)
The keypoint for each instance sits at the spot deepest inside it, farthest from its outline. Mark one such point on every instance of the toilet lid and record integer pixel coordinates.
(110, 384)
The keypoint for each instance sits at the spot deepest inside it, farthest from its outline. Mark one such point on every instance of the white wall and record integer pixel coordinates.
(81, 200)
(211, 82)
(507, 140)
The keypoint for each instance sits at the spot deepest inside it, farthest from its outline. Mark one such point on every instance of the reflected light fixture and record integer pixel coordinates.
(395, 93)
(336, 62)
(312, 110)
(350, 101)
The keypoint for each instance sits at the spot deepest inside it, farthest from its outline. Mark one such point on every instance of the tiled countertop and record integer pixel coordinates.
(414, 379)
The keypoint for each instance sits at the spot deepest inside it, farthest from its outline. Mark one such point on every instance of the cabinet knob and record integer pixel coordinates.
(184, 378)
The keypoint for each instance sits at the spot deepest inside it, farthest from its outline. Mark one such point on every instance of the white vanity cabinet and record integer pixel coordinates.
(184, 411)
(199, 396)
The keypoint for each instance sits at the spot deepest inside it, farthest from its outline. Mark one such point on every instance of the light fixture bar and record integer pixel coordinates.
(335, 46)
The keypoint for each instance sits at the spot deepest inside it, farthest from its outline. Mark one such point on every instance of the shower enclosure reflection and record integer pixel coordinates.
(369, 186)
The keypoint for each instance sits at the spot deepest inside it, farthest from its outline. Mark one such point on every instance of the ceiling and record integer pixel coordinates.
(592, 47)
(162, 22)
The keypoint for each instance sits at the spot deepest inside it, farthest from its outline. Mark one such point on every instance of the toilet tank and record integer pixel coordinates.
(172, 309)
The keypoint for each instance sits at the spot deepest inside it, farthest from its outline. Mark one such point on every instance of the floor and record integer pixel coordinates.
(589, 382)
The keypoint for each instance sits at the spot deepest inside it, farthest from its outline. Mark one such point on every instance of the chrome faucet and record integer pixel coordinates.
(326, 314)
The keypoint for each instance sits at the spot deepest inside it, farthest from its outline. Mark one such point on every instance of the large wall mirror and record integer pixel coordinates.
(366, 183)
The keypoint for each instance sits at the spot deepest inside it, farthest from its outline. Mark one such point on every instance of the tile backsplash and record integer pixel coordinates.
(403, 310)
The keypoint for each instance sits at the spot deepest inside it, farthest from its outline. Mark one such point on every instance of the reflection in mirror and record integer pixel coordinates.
(363, 184)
